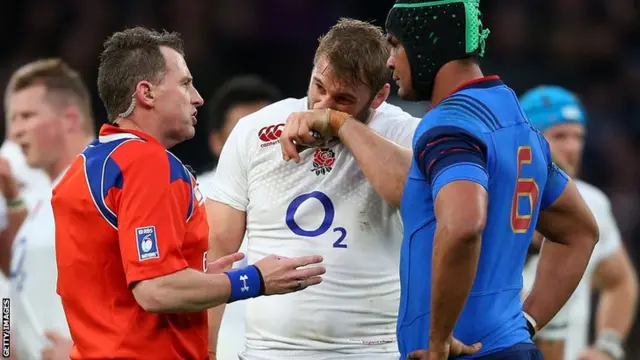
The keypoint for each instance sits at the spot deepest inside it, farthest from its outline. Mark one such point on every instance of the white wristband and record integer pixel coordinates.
(610, 343)
(531, 320)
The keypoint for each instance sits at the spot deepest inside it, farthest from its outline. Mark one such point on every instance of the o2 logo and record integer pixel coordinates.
(329, 214)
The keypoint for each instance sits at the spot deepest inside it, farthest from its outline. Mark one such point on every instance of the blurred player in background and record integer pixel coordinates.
(559, 115)
(131, 227)
(324, 204)
(49, 111)
(237, 98)
(23, 186)
(475, 140)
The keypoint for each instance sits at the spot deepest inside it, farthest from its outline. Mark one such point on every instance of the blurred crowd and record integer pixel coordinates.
(588, 46)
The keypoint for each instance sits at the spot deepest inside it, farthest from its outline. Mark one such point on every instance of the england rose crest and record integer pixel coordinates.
(323, 160)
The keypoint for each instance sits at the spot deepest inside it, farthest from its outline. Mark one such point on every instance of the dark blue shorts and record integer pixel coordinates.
(522, 351)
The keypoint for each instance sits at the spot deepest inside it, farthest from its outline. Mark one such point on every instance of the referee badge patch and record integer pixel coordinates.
(147, 243)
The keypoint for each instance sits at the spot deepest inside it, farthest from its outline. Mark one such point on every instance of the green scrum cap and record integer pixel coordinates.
(434, 33)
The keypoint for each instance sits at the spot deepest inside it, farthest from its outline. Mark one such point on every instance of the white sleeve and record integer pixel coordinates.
(558, 328)
(4, 220)
(230, 182)
(402, 132)
(610, 239)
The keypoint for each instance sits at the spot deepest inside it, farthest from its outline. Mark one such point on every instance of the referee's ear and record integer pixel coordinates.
(381, 96)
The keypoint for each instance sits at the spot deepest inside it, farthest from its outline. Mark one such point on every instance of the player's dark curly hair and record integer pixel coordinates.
(129, 57)
(244, 89)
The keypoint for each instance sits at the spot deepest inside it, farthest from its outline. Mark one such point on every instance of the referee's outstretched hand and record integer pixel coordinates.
(282, 275)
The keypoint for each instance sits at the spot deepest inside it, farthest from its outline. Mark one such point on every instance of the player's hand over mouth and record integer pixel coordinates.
(305, 129)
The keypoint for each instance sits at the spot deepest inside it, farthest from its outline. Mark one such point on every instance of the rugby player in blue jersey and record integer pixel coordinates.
(481, 182)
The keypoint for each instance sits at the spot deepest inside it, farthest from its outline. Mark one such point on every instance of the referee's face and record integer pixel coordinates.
(177, 99)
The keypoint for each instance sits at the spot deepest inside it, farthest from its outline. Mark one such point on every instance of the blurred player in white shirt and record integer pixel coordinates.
(324, 204)
(240, 96)
(22, 185)
(560, 116)
(49, 110)
(237, 98)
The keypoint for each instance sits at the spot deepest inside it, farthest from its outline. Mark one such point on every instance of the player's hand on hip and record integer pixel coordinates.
(223, 263)
(309, 128)
(455, 348)
(282, 275)
(458, 348)
(59, 347)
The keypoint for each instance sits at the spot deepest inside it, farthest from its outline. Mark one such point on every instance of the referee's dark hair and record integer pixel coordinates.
(245, 89)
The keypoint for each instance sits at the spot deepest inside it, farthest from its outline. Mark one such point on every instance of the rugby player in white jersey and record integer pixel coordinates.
(323, 204)
(50, 117)
(238, 97)
(560, 116)
(20, 188)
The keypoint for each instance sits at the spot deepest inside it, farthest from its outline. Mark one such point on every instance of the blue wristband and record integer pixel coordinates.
(245, 283)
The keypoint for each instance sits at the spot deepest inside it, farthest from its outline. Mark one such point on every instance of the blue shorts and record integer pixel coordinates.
(522, 351)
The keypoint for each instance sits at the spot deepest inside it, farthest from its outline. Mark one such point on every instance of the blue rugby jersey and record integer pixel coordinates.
(479, 133)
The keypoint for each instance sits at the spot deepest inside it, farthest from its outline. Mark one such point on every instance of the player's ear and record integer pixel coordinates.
(381, 96)
(71, 121)
(144, 94)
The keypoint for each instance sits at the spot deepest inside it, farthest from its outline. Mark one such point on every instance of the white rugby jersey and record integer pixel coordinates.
(35, 306)
(323, 205)
(33, 185)
(571, 324)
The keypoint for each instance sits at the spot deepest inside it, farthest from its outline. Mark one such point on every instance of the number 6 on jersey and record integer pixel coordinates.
(525, 187)
(329, 213)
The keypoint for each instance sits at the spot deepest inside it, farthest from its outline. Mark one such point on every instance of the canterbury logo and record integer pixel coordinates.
(270, 133)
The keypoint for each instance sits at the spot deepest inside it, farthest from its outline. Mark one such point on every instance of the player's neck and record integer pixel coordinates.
(451, 76)
(75, 144)
(146, 125)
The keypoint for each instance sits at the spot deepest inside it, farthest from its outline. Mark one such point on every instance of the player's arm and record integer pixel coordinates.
(15, 216)
(227, 227)
(453, 161)
(617, 281)
(571, 232)
(227, 201)
(151, 210)
(551, 339)
(384, 163)
(15, 211)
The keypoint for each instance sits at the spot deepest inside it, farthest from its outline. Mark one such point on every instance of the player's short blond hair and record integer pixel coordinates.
(357, 52)
(63, 84)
